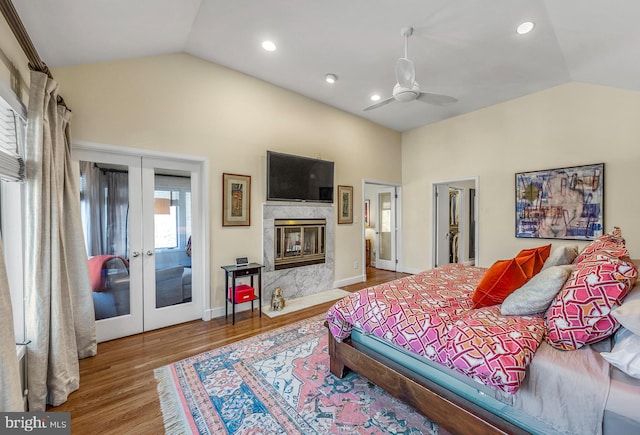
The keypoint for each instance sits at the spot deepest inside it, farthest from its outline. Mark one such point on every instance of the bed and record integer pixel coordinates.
(409, 336)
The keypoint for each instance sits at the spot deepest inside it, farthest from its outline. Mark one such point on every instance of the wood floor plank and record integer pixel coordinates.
(118, 390)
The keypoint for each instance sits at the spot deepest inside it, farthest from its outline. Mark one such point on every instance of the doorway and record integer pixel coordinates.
(142, 225)
(455, 226)
(381, 225)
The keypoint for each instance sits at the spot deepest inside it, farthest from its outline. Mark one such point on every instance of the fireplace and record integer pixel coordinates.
(299, 242)
(298, 281)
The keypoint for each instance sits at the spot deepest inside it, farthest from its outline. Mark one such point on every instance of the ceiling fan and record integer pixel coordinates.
(406, 88)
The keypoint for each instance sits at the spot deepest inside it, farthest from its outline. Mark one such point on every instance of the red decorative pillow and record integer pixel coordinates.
(528, 263)
(502, 278)
(581, 313)
(541, 254)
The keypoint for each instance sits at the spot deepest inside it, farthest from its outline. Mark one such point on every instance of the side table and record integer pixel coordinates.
(234, 272)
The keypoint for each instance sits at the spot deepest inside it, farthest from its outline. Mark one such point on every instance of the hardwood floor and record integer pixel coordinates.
(118, 393)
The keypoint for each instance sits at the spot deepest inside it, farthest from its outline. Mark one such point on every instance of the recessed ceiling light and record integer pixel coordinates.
(375, 97)
(525, 27)
(331, 78)
(269, 45)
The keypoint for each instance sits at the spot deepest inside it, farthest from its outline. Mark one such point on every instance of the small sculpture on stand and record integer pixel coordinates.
(277, 300)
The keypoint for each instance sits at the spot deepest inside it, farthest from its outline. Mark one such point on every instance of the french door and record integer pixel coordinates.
(386, 252)
(142, 226)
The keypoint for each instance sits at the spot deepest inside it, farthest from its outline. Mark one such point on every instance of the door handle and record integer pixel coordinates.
(149, 252)
(135, 254)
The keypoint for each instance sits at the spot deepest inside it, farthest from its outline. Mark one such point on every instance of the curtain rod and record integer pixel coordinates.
(11, 15)
(35, 61)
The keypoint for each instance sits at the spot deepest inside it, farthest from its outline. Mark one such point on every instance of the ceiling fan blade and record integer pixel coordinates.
(380, 104)
(405, 72)
(436, 99)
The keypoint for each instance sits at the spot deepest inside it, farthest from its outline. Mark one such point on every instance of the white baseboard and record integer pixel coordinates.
(214, 312)
(349, 281)
(410, 270)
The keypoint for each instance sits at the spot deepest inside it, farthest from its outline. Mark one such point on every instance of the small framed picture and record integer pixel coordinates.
(236, 200)
(345, 204)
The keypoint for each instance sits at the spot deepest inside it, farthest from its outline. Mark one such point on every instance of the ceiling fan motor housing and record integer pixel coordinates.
(406, 94)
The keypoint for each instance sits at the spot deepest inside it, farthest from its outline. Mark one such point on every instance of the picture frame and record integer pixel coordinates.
(367, 211)
(345, 204)
(563, 203)
(236, 200)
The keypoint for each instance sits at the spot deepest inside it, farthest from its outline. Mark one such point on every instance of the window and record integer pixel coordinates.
(11, 227)
(12, 131)
(165, 213)
(172, 211)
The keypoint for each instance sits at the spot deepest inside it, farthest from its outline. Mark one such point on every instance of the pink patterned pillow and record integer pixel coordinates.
(581, 312)
(612, 244)
(492, 348)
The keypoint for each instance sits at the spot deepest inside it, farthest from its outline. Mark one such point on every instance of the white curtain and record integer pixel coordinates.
(10, 394)
(58, 301)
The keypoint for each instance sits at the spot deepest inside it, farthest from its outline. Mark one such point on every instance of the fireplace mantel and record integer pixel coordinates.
(307, 279)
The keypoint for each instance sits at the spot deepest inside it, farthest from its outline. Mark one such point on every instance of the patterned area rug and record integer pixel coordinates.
(278, 383)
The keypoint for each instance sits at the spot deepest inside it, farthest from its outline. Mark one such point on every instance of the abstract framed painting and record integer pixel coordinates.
(236, 200)
(564, 203)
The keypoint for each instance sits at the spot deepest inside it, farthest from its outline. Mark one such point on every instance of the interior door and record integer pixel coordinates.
(442, 224)
(455, 229)
(141, 225)
(110, 204)
(386, 234)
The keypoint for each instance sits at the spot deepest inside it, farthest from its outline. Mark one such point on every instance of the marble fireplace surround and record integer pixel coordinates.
(297, 281)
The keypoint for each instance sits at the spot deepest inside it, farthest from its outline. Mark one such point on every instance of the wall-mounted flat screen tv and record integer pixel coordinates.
(295, 178)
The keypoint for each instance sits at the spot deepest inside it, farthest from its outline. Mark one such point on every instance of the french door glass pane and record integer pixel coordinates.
(384, 252)
(104, 207)
(172, 231)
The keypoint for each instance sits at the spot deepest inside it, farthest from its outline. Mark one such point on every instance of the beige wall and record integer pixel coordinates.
(178, 103)
(568, 125)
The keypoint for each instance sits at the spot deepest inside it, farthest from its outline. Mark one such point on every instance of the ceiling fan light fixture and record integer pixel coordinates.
(269, 45)
(331, 78)
(525, 27)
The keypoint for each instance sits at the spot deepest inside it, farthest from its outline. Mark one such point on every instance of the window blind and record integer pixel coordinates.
(12, 131)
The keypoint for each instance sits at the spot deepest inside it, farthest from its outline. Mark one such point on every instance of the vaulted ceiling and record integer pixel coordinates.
(468, 49)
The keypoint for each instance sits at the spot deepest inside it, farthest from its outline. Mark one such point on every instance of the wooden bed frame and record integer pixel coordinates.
(452, 412)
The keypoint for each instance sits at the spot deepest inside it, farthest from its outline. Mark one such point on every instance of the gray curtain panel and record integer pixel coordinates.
(58, 302)
(10, 394)
(91, 207)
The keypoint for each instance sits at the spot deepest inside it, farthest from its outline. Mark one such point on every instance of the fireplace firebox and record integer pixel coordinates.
(299, 242)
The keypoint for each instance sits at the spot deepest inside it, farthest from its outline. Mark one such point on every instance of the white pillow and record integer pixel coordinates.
(560, 256)
(628, 314)
(536, 295)
(625, 354)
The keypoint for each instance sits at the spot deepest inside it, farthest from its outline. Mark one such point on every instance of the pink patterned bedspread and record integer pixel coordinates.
(430, 314)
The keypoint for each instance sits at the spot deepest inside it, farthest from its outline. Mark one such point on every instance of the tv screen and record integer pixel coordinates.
(295, 178)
